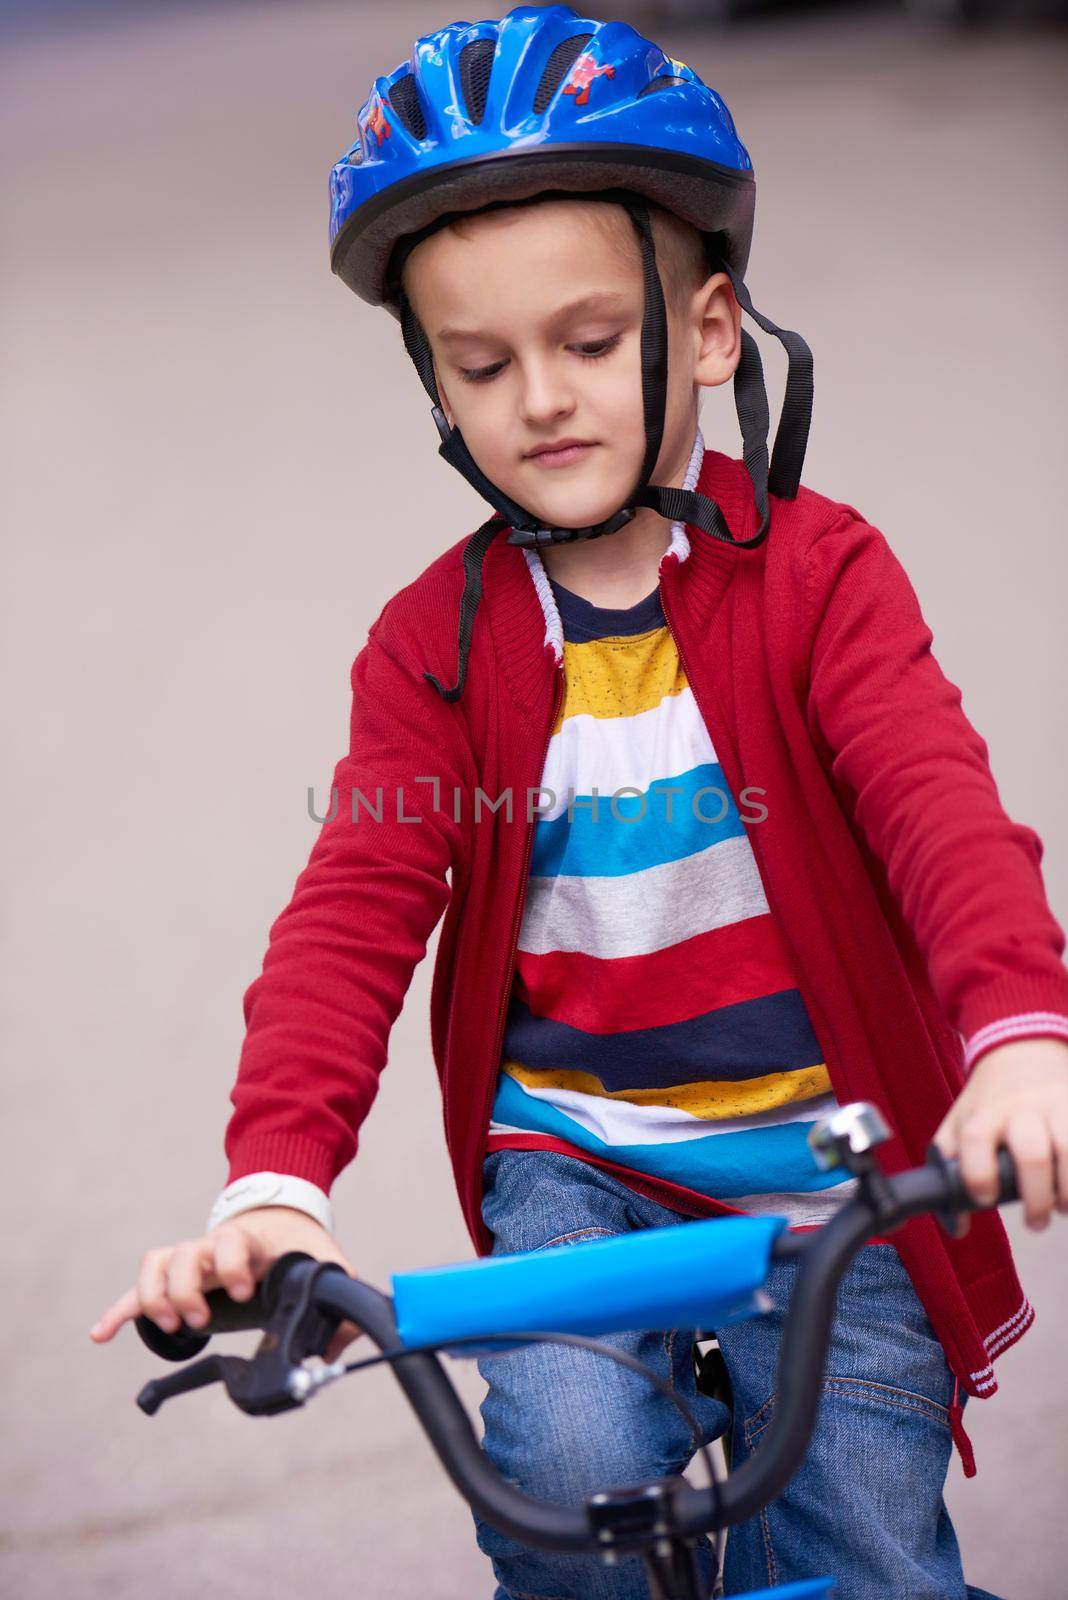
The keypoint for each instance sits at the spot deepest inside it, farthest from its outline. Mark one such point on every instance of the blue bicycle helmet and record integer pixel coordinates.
(544, 102)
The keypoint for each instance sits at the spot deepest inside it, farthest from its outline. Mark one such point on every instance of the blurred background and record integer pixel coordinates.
(218, 466)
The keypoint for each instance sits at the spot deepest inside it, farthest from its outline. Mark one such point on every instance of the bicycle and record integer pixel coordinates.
(597, 1287)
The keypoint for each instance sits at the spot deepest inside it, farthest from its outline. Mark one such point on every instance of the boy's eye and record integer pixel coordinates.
(480, 374)
(590, 350)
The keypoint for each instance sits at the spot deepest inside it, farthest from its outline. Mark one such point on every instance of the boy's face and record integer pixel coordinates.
(534, 319)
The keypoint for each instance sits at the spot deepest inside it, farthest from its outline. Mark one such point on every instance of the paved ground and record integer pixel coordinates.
(220, 466)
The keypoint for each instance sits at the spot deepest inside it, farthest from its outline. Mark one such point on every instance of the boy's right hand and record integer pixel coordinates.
(234, 1256)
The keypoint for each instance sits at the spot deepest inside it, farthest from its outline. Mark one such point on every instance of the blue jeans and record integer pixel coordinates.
(866, 1507)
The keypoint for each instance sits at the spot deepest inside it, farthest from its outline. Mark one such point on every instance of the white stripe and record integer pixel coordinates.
(810, 1209)
(613, 753)
(1000, 1338)
(1028, 1024)
(679, 547)
(1012, 1333)
(621, 1122)
(1017, 1316)
(639, 912)
(1037, 1017)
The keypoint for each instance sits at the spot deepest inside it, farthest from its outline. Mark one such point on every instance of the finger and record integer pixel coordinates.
(1059, 1133)
(124, 1309)
(260, 1253)
(233, 1264)
(1027, 1136)
(189, 1273)
(152, 1290)
(947, 1138)
(979, 1136)
(346, 1334)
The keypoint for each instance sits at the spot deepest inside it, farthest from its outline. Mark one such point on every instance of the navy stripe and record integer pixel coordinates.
(731, 1043)
(583, 621)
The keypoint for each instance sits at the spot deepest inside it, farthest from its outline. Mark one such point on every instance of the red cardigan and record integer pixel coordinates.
(912, 905)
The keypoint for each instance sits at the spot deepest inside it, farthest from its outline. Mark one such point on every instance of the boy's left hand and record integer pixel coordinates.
(1017, 1095)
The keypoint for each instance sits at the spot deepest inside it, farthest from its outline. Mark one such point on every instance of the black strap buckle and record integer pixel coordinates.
(529, 538)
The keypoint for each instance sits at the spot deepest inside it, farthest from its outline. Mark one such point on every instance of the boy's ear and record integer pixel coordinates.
(718, 330)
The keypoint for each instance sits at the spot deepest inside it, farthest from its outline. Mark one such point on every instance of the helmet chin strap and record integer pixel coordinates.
(782, 478)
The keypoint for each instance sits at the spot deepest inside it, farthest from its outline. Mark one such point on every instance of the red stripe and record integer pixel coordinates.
(742, 961)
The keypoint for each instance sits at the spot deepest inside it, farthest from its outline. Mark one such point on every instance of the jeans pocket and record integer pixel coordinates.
(889, 1395)
(865, 1392)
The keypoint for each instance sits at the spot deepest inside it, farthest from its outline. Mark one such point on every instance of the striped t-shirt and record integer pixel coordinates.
(654, 1019)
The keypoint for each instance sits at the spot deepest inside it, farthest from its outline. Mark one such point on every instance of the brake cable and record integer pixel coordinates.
(580, 1341)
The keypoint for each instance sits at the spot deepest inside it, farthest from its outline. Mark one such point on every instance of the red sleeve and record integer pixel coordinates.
(966, 876)
(341, 954)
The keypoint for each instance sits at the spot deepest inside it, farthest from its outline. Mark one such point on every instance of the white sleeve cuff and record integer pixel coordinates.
(272, 1189)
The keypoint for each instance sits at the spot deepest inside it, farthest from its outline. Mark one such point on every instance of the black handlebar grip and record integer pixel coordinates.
(1008, 1183)
(955, 1199)
(226, 1316)
(181, 1345)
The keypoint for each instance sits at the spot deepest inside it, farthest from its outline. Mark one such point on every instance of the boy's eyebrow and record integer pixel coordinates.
(600, 299)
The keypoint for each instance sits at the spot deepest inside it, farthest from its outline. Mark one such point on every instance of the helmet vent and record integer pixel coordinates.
(663, 82)
(557, 68)
(404, 98)
(476, 64)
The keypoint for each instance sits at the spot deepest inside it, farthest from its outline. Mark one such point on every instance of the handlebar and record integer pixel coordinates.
(300, 1302)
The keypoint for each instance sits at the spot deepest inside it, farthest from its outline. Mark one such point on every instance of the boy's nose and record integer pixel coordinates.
(544, 394)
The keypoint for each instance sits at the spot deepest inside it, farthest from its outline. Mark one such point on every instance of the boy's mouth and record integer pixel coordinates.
(560, 454)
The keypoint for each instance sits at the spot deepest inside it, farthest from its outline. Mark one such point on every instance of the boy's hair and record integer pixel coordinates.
(681, 254)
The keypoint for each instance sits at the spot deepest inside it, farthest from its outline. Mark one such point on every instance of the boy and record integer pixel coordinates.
(715, 844)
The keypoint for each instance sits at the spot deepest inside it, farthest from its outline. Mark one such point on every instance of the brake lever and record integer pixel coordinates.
(273, 1379)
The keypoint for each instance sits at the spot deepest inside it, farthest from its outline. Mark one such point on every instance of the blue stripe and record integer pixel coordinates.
(599, 844)
(723, 1165)
(746, 1040)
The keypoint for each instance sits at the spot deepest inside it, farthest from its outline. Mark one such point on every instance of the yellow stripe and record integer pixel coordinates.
(712, 1100)
(621, 676)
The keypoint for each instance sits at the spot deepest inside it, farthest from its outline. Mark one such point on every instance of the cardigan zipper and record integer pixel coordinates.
(517, 919)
